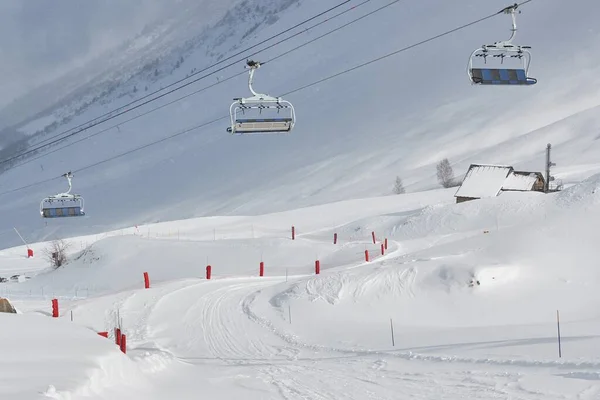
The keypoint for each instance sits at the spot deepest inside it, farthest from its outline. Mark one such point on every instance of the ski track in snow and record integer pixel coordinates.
(220, 326)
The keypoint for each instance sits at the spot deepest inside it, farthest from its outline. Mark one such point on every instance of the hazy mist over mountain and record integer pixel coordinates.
(40, 41)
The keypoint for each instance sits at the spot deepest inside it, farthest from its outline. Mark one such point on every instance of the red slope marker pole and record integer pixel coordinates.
(55, 312)
(124, 343)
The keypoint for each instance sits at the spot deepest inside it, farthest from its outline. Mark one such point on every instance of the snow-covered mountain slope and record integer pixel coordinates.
(161, 29)
(293, 334)
(355, 133)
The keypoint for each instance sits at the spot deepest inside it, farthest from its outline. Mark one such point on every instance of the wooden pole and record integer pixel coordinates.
(558, 328)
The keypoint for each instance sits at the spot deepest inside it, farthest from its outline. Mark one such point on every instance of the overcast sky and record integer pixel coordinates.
(40, 40)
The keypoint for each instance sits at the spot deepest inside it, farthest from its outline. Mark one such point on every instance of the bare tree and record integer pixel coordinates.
(445, 174)
(398, 186)
(56, 253)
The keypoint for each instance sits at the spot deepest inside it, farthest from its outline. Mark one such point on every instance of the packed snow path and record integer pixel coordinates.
(207, 332)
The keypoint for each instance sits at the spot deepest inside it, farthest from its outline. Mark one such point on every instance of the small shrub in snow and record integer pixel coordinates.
(56, 253)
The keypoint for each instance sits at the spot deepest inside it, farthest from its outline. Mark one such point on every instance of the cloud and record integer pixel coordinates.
(41, 40)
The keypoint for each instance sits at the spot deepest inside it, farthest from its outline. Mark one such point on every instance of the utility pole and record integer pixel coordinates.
(548, 165)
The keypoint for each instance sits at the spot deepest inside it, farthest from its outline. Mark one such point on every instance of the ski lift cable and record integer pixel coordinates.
(262, 101)
(422, 42)
(202, 89)
(332, 31)
(109, 116)
(204, 124)
(214, 65)
(179, 133)
(128, 120)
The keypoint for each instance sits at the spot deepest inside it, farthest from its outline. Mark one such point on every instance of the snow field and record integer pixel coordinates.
(292, 334)
(329, 335)
(228, 246)
(60, 360)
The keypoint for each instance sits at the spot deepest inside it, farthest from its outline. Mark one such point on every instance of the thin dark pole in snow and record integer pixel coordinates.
(71, 315)
(286, 273)
(558, 327)
(392, 328)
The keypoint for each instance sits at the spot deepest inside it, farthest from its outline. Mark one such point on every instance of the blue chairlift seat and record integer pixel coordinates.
(494, 76)
(62, 206)
(59, 212)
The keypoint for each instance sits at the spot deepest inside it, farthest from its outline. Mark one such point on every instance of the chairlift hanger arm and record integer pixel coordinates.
(512, 11)
(254, 65)
(69, 177)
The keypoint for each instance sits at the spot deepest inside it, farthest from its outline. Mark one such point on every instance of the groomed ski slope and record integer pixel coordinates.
(294, 335)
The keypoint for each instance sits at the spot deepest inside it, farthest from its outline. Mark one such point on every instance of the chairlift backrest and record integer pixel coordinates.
(59, 212)
(505, 76)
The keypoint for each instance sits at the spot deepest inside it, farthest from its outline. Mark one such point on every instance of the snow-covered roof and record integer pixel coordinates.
(519, 181)
(483, 181)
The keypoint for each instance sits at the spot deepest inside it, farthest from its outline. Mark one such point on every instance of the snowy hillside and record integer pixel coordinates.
(293, 334)
(355, 133)
(376, 296)
(130, 38)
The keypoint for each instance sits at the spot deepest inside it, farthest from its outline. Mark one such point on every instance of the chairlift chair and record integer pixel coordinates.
(63, 204)
(249, 123)
(498, 75)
